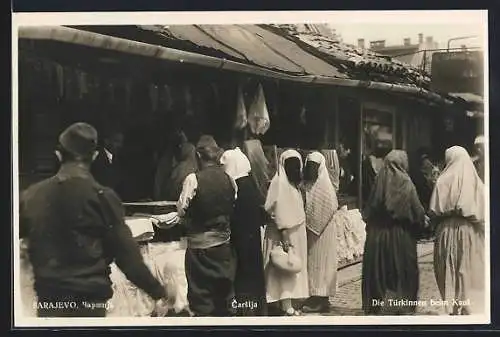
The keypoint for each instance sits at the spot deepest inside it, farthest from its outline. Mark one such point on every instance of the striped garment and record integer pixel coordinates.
(321, 205)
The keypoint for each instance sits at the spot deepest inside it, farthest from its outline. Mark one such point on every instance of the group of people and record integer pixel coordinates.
(229, 268)
(397, 216)
(74, 227)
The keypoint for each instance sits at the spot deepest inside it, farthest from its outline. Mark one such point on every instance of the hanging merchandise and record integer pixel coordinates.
(241, 112)
(303, 113)
(258, 116)
(216, 96)
(92, 85)
(71, 83)
(128, 95)
(60, 80)
(168, 99)
(80, 85)
(188, 101)
(154, 96)
(47, 69)
(84, 83)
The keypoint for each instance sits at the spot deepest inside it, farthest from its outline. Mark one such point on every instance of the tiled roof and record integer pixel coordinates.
(359, 63)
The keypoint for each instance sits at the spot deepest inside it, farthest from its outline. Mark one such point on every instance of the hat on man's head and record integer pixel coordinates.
(207, 146)
(80, 139)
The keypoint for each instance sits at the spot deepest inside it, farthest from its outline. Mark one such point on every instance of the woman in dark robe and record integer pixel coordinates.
(247, 219)
(394, 218)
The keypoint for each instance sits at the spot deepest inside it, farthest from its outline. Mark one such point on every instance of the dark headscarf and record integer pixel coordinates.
(393, 192)
(186, 165)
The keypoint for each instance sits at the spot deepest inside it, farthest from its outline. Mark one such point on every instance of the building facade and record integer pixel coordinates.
(417, 54)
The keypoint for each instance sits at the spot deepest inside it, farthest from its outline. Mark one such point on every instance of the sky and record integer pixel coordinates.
(395, 33)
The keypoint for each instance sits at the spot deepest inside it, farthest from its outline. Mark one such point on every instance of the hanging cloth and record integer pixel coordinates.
(188, 101)
(154, 96)
(258, 116)
(166, 97)
(82, 83)
(60, 80)
(241, 112)
(128, 95)
(303, 114)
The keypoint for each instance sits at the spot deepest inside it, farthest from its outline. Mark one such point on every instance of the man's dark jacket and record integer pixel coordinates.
(75, 229)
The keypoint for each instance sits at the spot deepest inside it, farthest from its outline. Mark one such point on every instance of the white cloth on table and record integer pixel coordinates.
(166, 261)
(27, 281)
(351, 234)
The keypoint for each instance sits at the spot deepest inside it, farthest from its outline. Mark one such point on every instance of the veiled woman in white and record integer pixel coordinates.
(285, 206)
(320, 206)
(457, 207)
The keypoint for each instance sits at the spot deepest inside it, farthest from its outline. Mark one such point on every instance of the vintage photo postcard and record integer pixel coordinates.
(250, 168)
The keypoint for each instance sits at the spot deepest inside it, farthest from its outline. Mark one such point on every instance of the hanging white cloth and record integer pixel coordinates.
(258, 115)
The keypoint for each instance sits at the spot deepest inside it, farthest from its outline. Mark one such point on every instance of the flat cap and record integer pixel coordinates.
(79, 139)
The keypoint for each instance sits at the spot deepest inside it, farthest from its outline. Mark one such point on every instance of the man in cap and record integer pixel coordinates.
(479, 157)
(207, 201)
(106, 169)
(75, 229)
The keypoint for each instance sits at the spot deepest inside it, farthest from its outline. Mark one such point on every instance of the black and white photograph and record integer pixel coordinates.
(251, 168)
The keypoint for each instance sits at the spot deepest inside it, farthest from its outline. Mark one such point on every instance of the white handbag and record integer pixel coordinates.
(288, 262)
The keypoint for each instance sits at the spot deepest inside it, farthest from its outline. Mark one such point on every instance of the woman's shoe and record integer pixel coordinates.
(293, 312)
(322, 305)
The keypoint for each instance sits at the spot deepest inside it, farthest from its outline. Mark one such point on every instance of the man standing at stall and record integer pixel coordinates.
(105, 168)
(206, 202)
(75, 229)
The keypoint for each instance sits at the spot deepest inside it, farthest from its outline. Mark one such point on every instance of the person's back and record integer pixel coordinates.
(214, 198)
(75, 229)
(67, 234)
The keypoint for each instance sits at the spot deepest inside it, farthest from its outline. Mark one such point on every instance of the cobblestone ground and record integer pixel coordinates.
(348, 299)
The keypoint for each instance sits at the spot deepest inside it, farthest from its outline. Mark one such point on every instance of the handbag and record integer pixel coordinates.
(286, 261)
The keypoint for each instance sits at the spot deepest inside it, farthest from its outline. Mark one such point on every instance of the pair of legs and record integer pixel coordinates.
(210, 277)
(287, 307)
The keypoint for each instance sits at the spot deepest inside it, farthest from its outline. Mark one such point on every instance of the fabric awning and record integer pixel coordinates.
(252, 44)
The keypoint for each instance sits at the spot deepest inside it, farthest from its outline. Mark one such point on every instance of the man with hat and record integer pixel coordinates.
(106, 168)
(478, 159)
(206, 202)
(75, 229)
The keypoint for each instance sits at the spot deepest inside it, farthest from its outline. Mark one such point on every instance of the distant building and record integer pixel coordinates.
(408, 52)
(322, 29)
